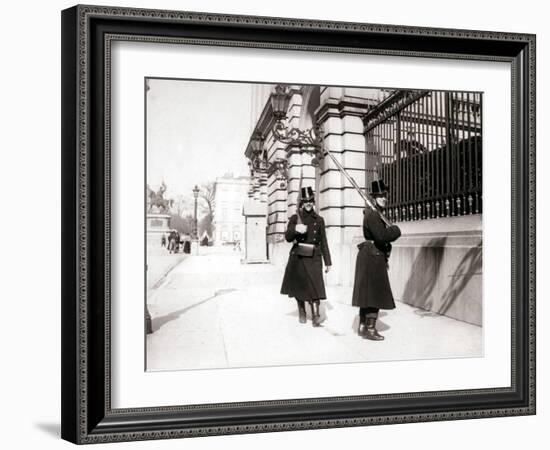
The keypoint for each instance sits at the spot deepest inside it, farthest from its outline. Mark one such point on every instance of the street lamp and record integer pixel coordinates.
(279, 102)
(259, 157)
(196, 191)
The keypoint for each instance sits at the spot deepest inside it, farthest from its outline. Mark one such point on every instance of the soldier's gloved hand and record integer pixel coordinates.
(301, 228)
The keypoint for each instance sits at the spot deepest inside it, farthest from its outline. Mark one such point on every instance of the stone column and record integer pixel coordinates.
(296, 170)
(256, 188)
(282, 202)
(263, 187)
(276, 194)
(340, 115)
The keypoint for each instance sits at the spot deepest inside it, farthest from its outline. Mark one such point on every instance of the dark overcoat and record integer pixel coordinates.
(303, 277)
(371, 287)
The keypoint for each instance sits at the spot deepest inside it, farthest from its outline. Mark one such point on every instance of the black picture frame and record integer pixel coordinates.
(87, 416)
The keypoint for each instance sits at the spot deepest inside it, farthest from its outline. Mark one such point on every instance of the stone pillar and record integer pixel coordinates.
(340, 115)
(263, 187)
(276, 194)
(282, 201)
(296, 170)
(256, 188)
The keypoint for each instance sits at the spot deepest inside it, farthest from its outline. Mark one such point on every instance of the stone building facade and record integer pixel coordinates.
(425, 145)
(230, 194)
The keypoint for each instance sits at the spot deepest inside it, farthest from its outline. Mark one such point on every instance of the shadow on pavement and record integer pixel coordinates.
(423, 313)
(159, 322)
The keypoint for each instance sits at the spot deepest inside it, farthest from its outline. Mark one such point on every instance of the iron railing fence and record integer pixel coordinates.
(430, 153)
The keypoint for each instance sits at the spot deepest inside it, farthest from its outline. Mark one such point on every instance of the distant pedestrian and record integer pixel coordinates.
(172, 241)
(371, 288)
(303, 277)
(177, 239)
(163, 240)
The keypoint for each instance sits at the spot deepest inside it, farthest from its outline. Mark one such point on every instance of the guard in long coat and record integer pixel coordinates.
(371, 288)
(303, 277)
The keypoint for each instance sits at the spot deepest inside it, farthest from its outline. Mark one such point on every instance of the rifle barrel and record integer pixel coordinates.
(367, 200)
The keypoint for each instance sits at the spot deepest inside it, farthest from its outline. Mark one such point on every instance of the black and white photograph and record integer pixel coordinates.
(275, 224)
(295, 224)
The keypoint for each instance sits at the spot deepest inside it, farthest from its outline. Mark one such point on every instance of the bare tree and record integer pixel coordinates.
(206, 194)
(182, 206)
(184, 224)
(205, 224)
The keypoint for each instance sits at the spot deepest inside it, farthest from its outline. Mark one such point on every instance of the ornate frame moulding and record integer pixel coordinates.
(87, 35)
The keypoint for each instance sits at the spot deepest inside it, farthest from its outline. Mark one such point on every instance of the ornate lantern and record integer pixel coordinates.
(259, 158)
(279, 102)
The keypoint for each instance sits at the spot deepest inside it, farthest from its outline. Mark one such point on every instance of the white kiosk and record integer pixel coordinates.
(255, 214)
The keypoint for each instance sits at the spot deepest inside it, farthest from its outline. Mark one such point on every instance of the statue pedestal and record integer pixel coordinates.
(157, 225)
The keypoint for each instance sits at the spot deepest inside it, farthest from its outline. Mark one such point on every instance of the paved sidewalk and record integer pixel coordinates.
(211, 311)
(159, 263)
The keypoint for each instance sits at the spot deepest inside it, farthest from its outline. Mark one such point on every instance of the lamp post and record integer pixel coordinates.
(196, 191)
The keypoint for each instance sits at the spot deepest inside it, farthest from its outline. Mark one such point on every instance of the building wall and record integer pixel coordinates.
(339, 114)
(436, 265)
(441, 270)
(339, 111)
(229, 197)
(276, 194)
(259, 97)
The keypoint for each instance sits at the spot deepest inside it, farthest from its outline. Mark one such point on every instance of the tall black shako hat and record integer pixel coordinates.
(307, 195)
(379, 189)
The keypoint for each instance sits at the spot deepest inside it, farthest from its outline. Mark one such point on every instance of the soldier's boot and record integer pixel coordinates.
(370, 331)
(361, 330)
(301, 311)
(316, 317)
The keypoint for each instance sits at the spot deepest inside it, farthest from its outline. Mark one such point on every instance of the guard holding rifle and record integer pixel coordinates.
(371, 288)
(303, 277)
